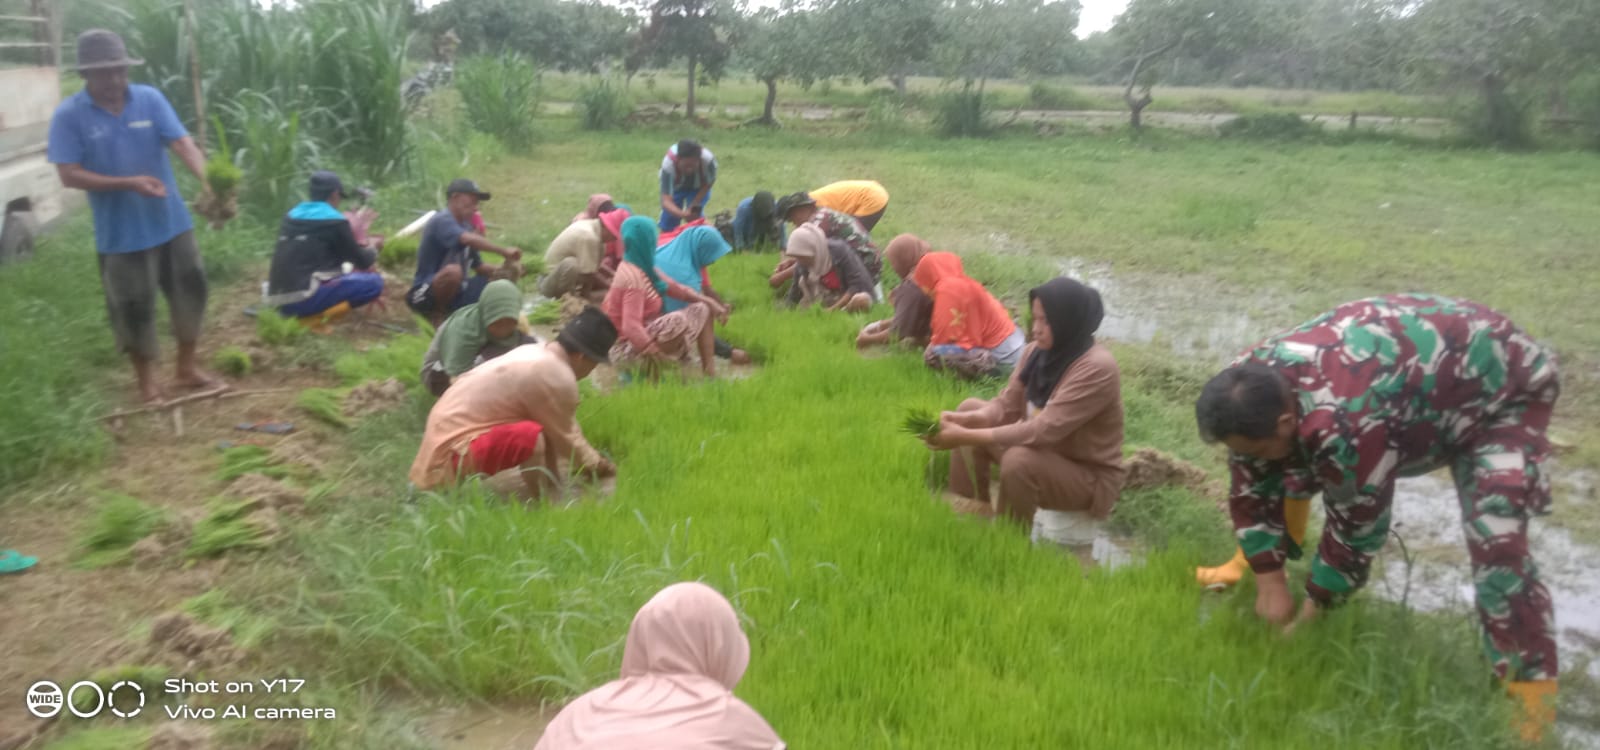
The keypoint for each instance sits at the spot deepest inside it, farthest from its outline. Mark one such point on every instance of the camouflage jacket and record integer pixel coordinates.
(1386, 387)
(836, 225)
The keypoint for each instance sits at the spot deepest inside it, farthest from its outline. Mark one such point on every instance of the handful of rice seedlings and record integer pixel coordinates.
(222, 175)
(921, 423)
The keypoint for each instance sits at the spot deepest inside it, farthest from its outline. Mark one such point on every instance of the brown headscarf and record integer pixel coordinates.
(597, 205)
(683, 657)
(903, 253)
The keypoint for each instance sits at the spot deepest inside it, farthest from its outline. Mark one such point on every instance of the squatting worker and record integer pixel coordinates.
(448, 253)
(799, 209)
(475, 334)
(866, 200)
(913, 309)
(1056, 428)
(756, 223)
(684, 654)
(688, 172)
(111, 140)
(973, 335)
(1383, 388)
(519, 409)
(315, 240)
(584, 256)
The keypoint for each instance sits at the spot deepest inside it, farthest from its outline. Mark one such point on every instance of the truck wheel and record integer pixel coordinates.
(16, 238)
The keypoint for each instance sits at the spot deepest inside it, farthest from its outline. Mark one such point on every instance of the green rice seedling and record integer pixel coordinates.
(240, 460)
(120, 521)
(546, 313)
(399, 358)
(920, 423)
(222, 176)
(324, 404)
(276, 330)
(400, 251)
(232, 361)
(228, 526)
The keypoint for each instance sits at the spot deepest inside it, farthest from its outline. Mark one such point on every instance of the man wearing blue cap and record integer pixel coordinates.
(315, 241)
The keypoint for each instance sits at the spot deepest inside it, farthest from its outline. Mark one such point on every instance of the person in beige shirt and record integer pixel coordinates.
(1056, 428)
(519, 409)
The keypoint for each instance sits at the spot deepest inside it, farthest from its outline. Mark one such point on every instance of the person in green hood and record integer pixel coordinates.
(475, 334)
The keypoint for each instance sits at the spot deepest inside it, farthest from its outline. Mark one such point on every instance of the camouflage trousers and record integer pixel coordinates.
(1502, 482)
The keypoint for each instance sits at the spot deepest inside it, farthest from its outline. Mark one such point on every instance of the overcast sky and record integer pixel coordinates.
(1096, 16)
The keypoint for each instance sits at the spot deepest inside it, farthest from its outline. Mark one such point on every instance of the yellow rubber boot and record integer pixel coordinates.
(1224, 575)
(318, 323)
(1296, 513)
(1536, 708)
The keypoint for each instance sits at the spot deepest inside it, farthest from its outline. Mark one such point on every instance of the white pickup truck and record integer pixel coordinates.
(30, 76)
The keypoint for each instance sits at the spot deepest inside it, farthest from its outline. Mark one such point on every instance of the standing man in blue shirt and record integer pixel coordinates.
(111, 140)
(687, 173)
(448, 253)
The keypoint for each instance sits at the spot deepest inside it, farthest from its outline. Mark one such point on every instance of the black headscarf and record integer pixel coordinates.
(1074, 312)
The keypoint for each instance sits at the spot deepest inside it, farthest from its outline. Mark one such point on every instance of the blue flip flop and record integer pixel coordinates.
(12, 561)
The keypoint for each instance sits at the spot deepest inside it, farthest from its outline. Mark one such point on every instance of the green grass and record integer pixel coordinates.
(1279, 231)
(877, 617)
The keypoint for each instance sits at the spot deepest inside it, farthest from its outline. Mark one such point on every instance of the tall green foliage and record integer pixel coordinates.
(337, 65)
(501, 96)
(603, 105)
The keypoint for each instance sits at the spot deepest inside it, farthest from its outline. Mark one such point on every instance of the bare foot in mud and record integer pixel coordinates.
(196, 379)
(739, 357)
(150, 392)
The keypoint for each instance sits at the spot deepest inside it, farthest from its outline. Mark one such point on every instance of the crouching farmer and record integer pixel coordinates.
(1384, 388)
(315, 240)
(519, 410)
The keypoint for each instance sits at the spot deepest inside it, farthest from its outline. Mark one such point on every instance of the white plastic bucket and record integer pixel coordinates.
(1064, 527)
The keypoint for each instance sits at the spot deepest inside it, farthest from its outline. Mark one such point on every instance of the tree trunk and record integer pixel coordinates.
(1136, 105)
(689, 106)
(772, 98)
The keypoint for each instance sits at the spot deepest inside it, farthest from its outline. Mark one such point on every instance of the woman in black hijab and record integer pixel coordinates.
(1056, 429)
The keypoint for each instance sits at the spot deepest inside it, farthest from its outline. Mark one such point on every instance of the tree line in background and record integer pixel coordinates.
(1518, 60)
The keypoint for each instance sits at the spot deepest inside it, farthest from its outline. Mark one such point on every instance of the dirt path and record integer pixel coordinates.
(61, 622)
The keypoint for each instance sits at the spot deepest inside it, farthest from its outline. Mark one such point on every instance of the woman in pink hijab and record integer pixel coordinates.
(599, 203)
(684, 655)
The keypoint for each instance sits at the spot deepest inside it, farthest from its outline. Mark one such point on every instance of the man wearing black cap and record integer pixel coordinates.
(449, 251)
(315, 240)
(519, 409)
(111, 140)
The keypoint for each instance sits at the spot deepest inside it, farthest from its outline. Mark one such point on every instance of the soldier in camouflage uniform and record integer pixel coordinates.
(1379, 389)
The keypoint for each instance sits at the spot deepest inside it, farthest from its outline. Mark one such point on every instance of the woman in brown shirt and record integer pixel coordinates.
(1056, 429)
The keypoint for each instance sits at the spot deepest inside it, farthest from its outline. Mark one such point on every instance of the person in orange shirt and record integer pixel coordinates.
(973, 334)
